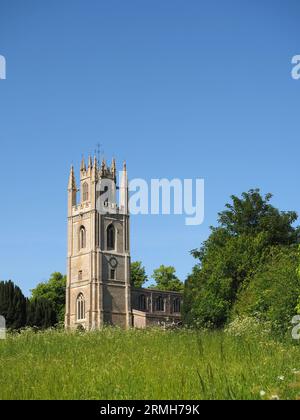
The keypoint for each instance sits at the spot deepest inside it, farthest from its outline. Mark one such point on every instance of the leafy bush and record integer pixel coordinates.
(248, 326)
(249, 230)
(227, 265)
(272, 294)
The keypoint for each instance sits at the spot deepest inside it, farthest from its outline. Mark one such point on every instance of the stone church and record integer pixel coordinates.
(99, 290)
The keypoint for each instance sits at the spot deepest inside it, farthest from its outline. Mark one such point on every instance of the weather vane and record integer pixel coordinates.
(99, 152)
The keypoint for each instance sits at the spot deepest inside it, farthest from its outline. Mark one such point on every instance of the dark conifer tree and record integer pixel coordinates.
(40, 313)
(12, 305)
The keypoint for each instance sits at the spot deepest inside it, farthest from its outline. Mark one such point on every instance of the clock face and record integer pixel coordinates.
(113, 262)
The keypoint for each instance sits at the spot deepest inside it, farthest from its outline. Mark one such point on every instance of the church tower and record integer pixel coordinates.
(98, 262)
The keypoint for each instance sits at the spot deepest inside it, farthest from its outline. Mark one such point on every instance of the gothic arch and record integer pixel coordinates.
(82, 237)
(142, 303)
(160, 304)
(80, 307)
(85, 191)
(111, 237)
(176, 305)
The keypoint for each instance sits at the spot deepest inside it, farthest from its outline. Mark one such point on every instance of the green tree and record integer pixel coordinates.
(54, 291)
(166, 279)
(12, 305)
(252, 214)
(298, 274)
(138, 274)
(273, 291)
(41, 313)
(227, 261)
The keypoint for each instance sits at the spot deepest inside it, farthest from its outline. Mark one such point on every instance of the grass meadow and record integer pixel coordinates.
(146, 364)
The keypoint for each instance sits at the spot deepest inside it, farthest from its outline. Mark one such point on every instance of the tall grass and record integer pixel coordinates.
(149, 364)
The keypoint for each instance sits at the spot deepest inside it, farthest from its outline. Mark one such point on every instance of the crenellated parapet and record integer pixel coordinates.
(93, 182)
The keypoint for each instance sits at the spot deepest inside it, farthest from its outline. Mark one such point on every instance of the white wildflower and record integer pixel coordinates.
(262, 393)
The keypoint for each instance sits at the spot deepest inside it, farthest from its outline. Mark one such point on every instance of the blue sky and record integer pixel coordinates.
(187, 89)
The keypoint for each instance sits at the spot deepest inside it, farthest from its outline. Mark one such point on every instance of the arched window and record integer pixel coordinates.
(85, 192)
(176, 305)
(110, 237)
(80, 307)
(142, 303)
(106, 194)
(82, 237)
(160, 304)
